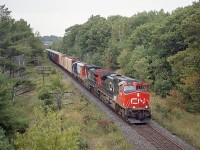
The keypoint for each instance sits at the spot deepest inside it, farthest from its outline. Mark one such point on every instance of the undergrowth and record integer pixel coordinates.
(96, 131)
(179, 122)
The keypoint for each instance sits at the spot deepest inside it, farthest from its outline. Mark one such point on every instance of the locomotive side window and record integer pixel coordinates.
(140, 88)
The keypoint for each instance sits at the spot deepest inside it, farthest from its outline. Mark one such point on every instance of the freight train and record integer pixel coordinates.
(127, 96)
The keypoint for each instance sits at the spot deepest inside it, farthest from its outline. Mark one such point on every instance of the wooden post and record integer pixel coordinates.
(59, 96)
(43, 70)
(43, 75)
(59, 101)
(13, 94)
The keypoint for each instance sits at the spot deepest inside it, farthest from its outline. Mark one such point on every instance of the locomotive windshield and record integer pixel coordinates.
(129, 89)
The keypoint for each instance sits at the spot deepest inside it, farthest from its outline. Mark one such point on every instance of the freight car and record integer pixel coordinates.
(127, 96)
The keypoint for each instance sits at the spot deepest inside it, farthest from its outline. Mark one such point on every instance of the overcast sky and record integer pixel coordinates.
(52, 17)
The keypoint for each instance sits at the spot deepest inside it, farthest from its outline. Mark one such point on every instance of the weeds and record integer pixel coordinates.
(179, 122)
(95, 130)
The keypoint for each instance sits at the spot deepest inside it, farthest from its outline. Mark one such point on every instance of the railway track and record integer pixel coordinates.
(143, 136)
(157, 139)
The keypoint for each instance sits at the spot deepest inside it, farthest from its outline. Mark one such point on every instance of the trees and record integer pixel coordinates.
(4, 143)
(186, 64)
(18, 45)
(11, 118)
(88, 41)
(157, 47)
(49, 131)
(120, 30)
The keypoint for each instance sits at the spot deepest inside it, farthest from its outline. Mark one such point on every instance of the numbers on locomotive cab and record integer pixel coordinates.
(111, 86)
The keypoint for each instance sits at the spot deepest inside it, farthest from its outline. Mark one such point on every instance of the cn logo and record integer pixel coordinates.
(142, 101)
(134, 101)
(137, 101)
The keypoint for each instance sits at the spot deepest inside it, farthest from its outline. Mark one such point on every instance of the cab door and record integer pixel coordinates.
(120, 99)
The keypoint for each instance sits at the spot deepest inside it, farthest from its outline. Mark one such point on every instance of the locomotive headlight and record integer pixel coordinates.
(146, 106)
(134, 107)
(138, 94)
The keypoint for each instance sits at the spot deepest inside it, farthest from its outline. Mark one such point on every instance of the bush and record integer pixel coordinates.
(162, 87)
(193, 106)
(4, 143)
(49, 131)
(53, 71)
(175, 99)
(44, 94)
(83, 145)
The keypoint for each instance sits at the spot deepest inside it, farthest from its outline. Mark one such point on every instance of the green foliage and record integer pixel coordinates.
(162, 87)
(57, 84)
(57, 44)
(49, 131)
(11, 118)
(4, 143)
(83, 145)
(17, 41)
(44, 94)
(176, 120)
(53, 71)
(50, 92)
(4, 11)
(159, 48)
(17, 45)
(122, 59)
(49, 38)
(88, 39)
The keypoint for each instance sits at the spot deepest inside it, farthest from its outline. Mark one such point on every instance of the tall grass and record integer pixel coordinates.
(179, 122)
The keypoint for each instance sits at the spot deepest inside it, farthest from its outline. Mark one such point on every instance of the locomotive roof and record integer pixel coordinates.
(131, 80)
(104, 74)
(123, 79)
(99, 71)
(92, 66)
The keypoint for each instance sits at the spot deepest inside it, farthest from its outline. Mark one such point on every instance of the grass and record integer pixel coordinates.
(97, 131)
(179, 122)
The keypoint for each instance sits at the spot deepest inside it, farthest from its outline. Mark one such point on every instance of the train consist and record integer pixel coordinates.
(127, 96)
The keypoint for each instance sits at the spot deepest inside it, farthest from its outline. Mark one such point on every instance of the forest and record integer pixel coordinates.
(162, 49)
(19, 47)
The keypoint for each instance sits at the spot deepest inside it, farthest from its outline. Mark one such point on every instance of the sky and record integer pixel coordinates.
(52, 17)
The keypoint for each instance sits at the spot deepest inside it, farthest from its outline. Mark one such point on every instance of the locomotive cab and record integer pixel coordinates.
(134, 101)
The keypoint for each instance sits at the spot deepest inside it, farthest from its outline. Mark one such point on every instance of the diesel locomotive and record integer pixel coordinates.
(127, 96)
